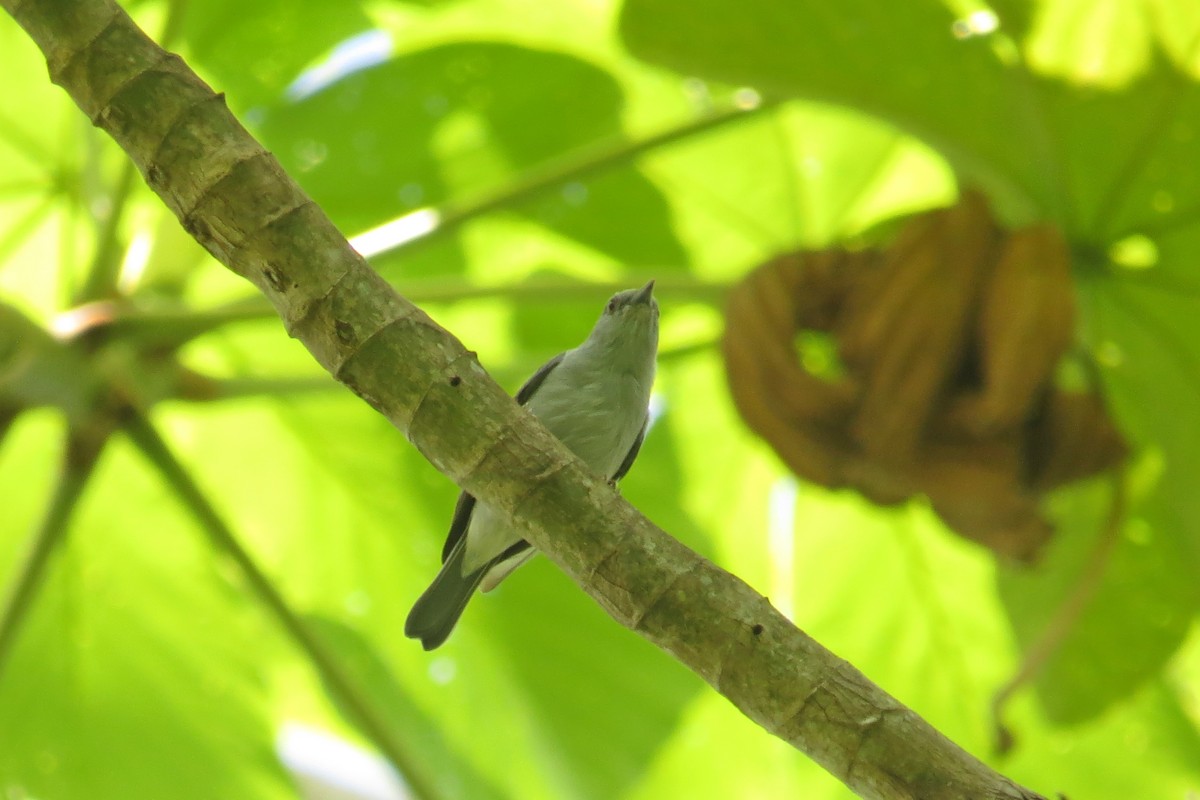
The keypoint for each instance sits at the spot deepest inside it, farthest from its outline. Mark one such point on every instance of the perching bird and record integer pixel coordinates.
(595, 399)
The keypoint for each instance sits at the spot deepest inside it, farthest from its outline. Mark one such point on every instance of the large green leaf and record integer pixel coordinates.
(255, 51)
(470, 105)
(898, 61)
(440, 765)
(134, 675)
(996, 111)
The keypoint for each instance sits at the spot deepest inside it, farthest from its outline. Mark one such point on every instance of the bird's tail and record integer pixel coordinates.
(435, 613)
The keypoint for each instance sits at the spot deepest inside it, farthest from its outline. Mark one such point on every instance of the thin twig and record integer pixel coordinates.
(178, 326)
(202, 388)
(24, 225)
(103, 272)
(1067, 615)
(569, 168)
(340, 684)
(79, 459)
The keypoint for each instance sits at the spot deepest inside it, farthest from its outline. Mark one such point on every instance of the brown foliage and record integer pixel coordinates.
(949, 341)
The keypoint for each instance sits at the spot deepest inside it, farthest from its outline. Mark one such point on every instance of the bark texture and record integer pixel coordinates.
(234, 197)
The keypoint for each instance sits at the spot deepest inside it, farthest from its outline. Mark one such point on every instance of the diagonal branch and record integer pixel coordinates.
(236, 200)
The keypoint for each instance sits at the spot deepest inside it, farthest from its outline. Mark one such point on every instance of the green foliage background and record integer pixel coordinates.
(146, 669)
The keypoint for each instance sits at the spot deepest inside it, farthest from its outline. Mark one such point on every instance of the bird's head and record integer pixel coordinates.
(629, 326)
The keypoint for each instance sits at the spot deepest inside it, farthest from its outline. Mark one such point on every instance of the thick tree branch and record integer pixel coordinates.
(236, 200)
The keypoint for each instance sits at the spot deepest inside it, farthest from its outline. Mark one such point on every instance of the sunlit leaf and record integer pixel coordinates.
(133, 675)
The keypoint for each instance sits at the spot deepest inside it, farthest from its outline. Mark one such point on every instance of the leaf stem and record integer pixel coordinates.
(201, 388)
(1066, 615)
(104, 271)
(152, 445)
(79, 459)
(175, 327)
(569, 168)
(105, 268)
(23, 226)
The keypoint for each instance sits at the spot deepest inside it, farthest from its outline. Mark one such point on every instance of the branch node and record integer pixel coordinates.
(663, 591)
(109, 113)
(61, 68)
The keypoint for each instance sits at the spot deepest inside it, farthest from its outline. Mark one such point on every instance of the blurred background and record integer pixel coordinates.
(507, 164)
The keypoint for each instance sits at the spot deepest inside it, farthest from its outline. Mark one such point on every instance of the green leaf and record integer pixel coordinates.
(444, 766)
(469, 105)
(900, 62)
(254, 51)
(135, 675)
(1017, 115)
(1147, 598)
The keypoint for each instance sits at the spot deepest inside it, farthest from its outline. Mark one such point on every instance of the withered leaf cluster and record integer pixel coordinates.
(949, 341)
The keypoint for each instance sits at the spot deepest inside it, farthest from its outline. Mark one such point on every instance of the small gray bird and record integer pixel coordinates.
(595, 399)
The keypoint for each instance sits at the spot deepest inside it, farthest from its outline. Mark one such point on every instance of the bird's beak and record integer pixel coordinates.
(645, 294)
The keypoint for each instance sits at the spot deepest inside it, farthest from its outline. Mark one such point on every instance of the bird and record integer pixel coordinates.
(595, 398)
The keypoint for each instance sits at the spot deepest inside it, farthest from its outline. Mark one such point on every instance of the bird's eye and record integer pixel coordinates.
(612, 305)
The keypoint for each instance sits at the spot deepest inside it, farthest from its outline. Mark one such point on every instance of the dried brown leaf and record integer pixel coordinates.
(1026, 323)
(903, 334)
(1074, 438)
(798, 413)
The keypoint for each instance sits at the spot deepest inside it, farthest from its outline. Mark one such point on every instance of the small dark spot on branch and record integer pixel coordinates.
(153, 175)
(273, 278)
(344, 331)
(198, 228)
(757, 630)
(455, 380)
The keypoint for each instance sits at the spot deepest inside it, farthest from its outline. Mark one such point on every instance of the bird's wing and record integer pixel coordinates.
(466, 502)
(633, 452)
(458, 523)
(531, 385)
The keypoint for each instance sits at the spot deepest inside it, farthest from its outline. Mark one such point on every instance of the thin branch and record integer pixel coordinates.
(1158, 124)
(102, 273)
(176, 326)
(24, 225)
(8, 415)
(201, 388)
(21, 189)
(171, 326)
(79, 459)
(341, 685)
(668, 282)
(1066, 615)
(34, 150)
(564, 170)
